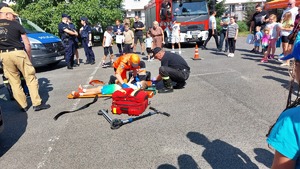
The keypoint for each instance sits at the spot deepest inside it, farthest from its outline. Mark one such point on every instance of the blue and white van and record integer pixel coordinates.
(46, 48)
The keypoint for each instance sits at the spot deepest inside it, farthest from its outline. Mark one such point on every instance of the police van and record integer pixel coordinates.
(46, 48)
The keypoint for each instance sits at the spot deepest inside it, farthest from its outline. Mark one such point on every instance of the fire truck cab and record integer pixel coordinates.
(193, 16)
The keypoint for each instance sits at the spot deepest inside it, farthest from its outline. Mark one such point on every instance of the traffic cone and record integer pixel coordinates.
(196, 56)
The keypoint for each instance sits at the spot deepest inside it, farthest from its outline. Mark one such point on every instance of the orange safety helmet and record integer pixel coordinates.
(134, 60)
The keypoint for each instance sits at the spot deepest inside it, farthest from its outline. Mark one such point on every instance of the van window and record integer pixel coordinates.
(30, 27)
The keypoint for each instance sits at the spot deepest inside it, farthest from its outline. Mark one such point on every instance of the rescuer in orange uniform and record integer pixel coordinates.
(126, 63)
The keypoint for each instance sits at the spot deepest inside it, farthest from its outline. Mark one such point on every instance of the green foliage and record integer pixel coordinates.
(47, 13)
(248, 13)
(219, 7)
(242, 26)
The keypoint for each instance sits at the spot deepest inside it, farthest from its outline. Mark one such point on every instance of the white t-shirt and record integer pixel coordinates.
(108, 39)
(273, 29)
(212, 20)
(148, 42)
(175, 29)
(294, 12)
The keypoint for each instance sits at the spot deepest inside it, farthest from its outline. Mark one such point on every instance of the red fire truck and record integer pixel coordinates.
(192, 15)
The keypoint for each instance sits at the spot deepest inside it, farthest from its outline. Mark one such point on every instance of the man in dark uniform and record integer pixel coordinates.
(118, 31)
(86, 37)
(75, 39)
(173, 68)
(138, 28)
(259, 18)
(15, 58)
(67, 35)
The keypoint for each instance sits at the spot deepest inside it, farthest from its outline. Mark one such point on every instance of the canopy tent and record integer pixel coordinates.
(278, 4)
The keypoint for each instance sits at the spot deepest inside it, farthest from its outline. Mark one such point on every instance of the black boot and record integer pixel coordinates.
(168, 88)
(179, 85)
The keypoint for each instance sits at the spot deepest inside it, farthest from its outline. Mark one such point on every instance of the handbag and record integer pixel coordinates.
(292, 36)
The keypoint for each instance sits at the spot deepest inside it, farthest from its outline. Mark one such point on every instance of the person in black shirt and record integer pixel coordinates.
(15, 58)
(260, 18)
(173, 68)
(138, 28)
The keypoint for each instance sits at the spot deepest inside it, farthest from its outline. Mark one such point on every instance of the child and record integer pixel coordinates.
(149, 43)
(108, 89)
(107, 45)
(274, 35)
(257, 39)
(231, 34)
(128, 39)
(265, 43)
(176, 36)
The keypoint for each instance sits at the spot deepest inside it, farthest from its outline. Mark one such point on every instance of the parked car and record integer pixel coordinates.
(46, 48)
(97, 32)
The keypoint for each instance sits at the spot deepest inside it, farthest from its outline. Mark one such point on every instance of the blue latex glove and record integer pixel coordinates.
(137, 79)
(124, 85)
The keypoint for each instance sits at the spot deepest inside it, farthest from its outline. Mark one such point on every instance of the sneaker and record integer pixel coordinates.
(165, 90)
(280, 56)
(264, 61)
(204, 48)
(173, 51)
(103, 64)
(75, 94)
(271, 56)
(41, 107)
(93, 62)
(25, 109)
(148, 60)
(252, 51)
(229, 55)
(143, 53)
(179, 52)
(232, 55)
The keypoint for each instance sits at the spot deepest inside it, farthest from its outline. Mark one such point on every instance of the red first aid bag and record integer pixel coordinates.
(129, 101)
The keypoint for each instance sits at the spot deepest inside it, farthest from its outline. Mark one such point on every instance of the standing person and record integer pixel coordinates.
(72, 27)
(118, 31)
(232, 34)
(138, 28)
(290, 8)
(265, 44)
(107, 45)
(86, 37)
(257, 38)
(259, 18)
(274, 35)
(128, 39)
(286, 27)
(173, 68)
(157, 35)
(224, 23)
(67, 35)
(16, 59)
(176, 35)
(212, 31)
(284, 136)
(149, 46)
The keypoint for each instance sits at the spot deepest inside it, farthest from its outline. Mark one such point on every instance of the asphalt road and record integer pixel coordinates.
(218, 121)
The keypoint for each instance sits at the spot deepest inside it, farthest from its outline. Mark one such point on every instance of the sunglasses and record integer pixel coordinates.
(289, 4)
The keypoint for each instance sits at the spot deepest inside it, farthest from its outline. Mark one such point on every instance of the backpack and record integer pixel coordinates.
(129, 101)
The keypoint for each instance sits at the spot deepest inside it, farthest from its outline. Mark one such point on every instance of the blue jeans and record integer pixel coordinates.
(222, 38)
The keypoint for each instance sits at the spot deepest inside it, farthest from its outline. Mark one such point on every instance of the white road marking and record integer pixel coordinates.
(212, 73)
(54, 139)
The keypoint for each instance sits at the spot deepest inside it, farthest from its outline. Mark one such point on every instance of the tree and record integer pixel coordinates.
(248, 13)
(219, 7)
(47, 13)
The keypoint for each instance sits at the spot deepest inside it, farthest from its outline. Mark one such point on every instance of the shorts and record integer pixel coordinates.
(140, 38)
(108, 50)
(149, 51)
(284, 39)
(264, 49)
(257, 44)
(175, 39)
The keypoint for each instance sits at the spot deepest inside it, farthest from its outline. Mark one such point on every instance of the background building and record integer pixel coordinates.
(237, 7)
(135, 7)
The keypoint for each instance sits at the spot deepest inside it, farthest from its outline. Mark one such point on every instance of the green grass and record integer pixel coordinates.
(243, 34)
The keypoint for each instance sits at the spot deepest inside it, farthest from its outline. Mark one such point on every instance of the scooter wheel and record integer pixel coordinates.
(116, 123)
(100, 113)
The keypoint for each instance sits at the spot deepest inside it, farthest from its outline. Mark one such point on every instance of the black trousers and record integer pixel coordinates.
(175, 75)
(127, 48)
(215, 35)
(119, 45)
(231, 44)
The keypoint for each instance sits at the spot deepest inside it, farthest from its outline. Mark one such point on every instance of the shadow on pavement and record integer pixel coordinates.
(44, 88)
(184, 161)
(264, 156)
(221, 155)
